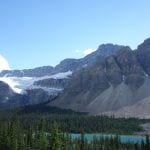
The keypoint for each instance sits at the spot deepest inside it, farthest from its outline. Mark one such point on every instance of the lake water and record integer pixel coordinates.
(123, 138)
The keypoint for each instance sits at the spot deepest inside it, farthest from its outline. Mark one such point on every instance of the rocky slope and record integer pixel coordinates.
(141, 109)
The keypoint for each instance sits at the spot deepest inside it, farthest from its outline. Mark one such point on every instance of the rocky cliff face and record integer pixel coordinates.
(143, 55)
(9, 99)
(102, 52)
(117, 81)
(55, 83)
(5, 92)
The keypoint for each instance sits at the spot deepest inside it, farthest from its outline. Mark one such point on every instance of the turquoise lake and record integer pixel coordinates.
(123, 138)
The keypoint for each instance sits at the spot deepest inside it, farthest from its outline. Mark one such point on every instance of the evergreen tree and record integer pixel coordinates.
(82, 141)
(147, 143)
(41, 138)
(55, 138)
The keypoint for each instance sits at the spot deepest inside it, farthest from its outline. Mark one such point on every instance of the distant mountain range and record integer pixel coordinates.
(114, 80)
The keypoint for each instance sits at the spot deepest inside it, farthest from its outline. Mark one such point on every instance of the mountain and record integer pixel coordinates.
(102, 52)
(110, 84)
(113, 80)
(43, 83)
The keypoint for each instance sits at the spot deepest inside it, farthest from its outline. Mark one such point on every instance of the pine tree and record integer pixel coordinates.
(147, 143)
(142, 145)
(55, 138)
(82, 141)
(136, 147)
(13, 134)
(41, 135)
(29, 138)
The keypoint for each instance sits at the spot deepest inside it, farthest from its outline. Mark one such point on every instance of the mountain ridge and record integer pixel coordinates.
(69, 64)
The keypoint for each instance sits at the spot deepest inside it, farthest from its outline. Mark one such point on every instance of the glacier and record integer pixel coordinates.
(21, 84)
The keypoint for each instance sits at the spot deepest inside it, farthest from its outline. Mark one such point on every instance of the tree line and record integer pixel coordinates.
(77, 123)
(13, 136)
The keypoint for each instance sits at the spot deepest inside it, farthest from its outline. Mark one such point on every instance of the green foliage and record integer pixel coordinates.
(147, 146)
(55, 138)
(13, 136)
(70, 121)
(88, 124)
(33, 130)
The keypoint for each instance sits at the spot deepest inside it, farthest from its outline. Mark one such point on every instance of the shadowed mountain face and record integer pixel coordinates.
(143, 55)
(10, 99)
(5, 91)
(110, 84)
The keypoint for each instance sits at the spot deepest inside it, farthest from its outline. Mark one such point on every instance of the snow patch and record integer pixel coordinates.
(145, 74)
(84, 66)
(62, 75)
(123, 77)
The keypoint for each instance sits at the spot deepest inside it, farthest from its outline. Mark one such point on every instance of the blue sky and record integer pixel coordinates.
(43, 32)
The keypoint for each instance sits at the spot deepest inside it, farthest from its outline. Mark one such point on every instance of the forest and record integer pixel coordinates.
(72, 122)
(42, 128)
(14, 137)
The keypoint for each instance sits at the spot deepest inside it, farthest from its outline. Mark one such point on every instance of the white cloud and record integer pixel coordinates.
(3, 64)
(77, 51)
(88, 51)
(85, 52)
